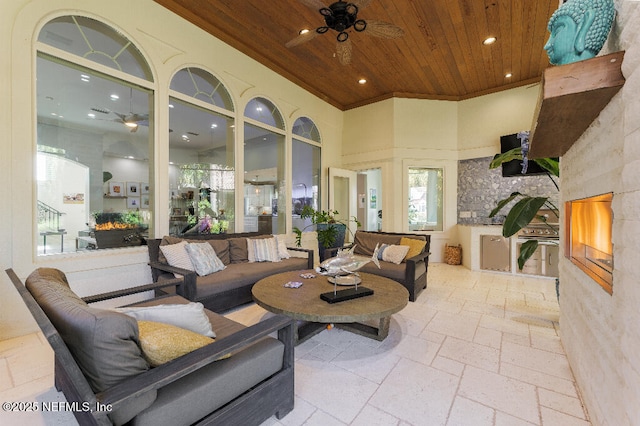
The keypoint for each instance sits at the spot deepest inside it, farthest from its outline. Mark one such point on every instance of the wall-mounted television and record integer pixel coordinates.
(514, 167)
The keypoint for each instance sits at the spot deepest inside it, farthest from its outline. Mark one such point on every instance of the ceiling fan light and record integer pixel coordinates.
(131, 124)
(303, 31)
(342, 37)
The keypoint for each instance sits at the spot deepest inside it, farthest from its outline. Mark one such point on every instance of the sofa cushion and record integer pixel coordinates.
(246, 274)
(365, 242)
(415, 246)
(221, 247)
(190, 316)
(238, 252)
(104, 343)
(177, 255)
(204, 258)
(162, 343)
(192, 397)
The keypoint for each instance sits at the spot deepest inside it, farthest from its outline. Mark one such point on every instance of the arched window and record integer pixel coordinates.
(264, 167)
(94, 138)
(201, 154)
(305, 153)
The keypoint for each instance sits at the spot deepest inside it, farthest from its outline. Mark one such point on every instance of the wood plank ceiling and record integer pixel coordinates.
(440, 56)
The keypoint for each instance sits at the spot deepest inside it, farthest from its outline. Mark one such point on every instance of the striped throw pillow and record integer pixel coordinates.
(264, 249)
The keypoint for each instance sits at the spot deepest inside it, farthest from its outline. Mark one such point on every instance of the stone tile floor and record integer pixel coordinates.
(477, 349)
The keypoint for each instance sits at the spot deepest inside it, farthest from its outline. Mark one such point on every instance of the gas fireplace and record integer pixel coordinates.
(588, 244)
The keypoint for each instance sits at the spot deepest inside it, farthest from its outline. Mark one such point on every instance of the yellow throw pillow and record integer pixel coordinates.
(161, 343)
(415, 246)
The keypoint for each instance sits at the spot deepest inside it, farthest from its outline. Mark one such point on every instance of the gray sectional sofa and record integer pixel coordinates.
(411, 273)
(231, 287)
(242, 378)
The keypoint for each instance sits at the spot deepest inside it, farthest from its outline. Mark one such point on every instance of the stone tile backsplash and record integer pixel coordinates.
(480, 189)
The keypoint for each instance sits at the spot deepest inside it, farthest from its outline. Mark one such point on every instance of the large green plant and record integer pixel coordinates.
(326, 235)
(526, 207)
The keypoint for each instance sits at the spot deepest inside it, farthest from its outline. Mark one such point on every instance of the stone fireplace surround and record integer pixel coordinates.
(601, 331)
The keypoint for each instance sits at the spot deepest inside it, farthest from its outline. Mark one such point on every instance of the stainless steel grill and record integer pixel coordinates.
(541, 230)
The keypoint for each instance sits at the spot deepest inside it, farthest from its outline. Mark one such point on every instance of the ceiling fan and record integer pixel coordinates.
(131, 119)
(341, 16)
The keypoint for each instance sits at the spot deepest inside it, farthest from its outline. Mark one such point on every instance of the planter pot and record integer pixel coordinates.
(341, 229)
(118, 238)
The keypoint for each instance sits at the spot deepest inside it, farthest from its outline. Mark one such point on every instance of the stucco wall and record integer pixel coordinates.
(601, 332)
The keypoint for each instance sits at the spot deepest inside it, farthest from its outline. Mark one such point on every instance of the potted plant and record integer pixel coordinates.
(526, 207)
(331, 231)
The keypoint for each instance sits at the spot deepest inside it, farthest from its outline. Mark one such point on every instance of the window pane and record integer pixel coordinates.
(307, 129)
(306, 180)
(425, 199)
(264, 111)
(263, 180)
(93, 40)
(200, 84)
(94, 144)
(201, 170)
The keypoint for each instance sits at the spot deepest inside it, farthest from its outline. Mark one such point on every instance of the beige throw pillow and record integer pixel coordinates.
(415, 246)
(161, 343)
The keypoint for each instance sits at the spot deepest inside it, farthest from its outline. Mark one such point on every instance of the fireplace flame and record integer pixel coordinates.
(109, 226)
(591, 221)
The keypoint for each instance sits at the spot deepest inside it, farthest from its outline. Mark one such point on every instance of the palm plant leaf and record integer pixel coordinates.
(503, 203)
(552, 165)
(505, 157)
(526, 251)
(521, 214)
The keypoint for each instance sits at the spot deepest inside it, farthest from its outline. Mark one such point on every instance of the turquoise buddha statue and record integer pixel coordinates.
(578, 30)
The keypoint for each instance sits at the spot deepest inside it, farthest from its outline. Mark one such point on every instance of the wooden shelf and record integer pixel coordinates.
(571, 97)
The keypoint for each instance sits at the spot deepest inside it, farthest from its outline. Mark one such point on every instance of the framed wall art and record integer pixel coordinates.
(116, 189)
(133, 189)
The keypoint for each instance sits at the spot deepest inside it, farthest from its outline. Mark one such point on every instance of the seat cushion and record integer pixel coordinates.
(194, 396)
(244, 274)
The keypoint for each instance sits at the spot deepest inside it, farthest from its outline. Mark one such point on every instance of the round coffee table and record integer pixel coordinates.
(304, 303)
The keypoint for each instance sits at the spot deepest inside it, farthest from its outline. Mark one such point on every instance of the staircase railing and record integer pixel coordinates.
(49, 216)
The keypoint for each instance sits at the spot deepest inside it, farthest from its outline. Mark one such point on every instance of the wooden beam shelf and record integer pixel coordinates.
(571, 97)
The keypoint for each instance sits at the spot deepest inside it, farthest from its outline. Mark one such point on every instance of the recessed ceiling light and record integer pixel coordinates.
(362, 81)
(508, 75)
(303, 31)
(114, 97)
(170, 105)
(91, 115)
(214, 125)
(489, 40)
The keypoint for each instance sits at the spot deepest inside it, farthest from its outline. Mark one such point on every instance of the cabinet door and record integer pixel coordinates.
(533, 266)
(551, 261)
(495, 254)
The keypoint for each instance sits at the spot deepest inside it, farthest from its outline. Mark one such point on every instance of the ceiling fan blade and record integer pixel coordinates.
(383, 29)
(361, 3)
(313, 4)
(302, 38)
(343, 51)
